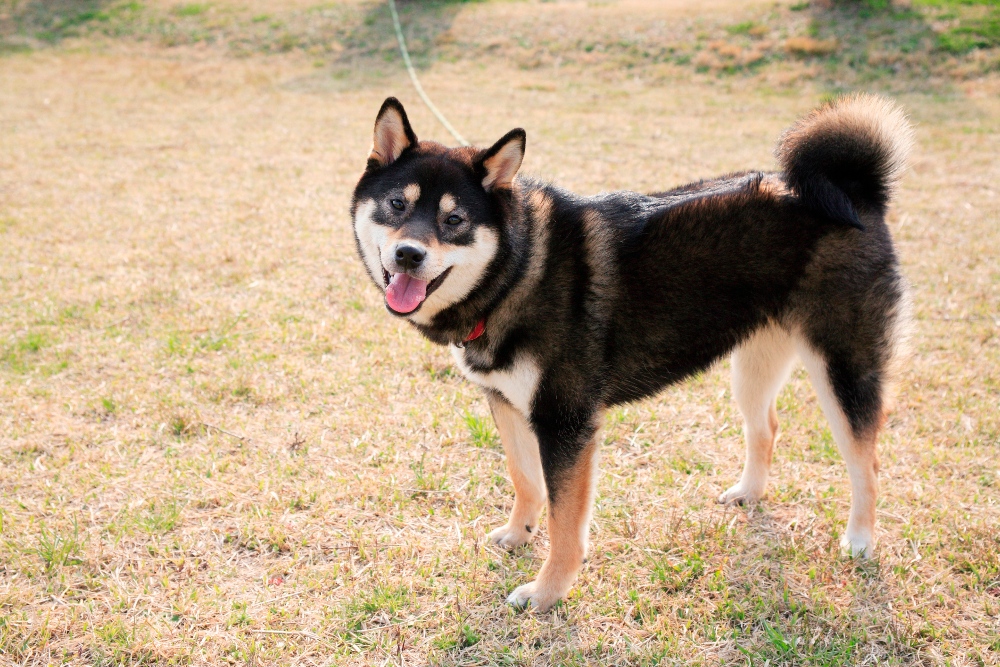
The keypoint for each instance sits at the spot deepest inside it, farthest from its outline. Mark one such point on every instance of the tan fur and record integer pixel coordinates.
(447, 204)
(468, 262)
(760, 367)
(394, 236)
(600, 254)
(568, 526)
(524, 465)
(411, 192)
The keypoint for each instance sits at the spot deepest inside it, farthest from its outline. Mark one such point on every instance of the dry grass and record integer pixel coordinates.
(216, 448)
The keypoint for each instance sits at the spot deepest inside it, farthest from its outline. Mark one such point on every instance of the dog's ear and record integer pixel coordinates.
(500, 163)
(393, 134)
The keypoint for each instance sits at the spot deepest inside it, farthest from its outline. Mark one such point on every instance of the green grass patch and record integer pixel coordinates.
(972, 33)
(481, 431)
(58, 549)
(380, 600)
(741, 28)
(191, 9)
(20, 355)
(159, 517)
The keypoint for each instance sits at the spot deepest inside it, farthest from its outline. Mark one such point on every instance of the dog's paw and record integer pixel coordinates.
(741, 494)
(857, 545)
(511, 536)
(534, 597)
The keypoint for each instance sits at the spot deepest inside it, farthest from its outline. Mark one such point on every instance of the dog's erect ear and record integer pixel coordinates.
(393, 134)
(500, 163)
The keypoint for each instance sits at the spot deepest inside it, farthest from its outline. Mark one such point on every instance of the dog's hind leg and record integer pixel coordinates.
(760, 367)
(525, 468)
(852, 403)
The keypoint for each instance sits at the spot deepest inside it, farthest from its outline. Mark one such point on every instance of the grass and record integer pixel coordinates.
(216, 447)
(842, 42)
(57, 551)
(482, 431)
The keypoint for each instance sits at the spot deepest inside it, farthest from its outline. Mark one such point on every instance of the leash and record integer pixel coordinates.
(416, 82)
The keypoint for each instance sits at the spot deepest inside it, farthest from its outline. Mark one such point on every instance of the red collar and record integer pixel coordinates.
(477, 331)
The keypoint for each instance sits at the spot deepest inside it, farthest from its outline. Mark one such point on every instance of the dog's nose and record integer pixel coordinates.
(409, 257)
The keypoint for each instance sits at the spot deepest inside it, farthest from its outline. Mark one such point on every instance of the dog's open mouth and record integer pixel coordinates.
(404, 293)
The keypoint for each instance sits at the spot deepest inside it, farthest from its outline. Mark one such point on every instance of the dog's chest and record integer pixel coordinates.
(517, 383)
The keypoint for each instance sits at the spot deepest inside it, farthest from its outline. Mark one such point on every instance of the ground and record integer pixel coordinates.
(217, 448)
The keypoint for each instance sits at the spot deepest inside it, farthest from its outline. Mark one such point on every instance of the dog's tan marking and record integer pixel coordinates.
(760, 368)
(569, 524)
(600, 254)
(427, 242)
(447, 204)
(411, 192)
(394, 236)
(541, 204)
(525, 467)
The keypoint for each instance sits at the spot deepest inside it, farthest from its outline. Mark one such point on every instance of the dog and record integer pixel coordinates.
(561, 306)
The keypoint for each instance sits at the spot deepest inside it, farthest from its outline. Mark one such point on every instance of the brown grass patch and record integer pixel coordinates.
(809, 46)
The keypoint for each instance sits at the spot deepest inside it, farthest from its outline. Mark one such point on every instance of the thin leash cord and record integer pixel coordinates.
(416, 82)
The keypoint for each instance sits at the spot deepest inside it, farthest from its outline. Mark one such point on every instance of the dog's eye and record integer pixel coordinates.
(453, 220)
(398, 204)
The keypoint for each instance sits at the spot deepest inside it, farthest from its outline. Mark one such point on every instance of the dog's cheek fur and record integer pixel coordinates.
(370, 238)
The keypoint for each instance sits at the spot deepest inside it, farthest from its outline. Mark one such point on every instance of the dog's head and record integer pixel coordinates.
(429, 220)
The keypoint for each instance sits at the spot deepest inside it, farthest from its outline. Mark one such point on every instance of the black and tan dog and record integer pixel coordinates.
(561, 306)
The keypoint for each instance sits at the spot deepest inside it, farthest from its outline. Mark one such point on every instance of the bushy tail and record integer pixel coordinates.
(844, 159)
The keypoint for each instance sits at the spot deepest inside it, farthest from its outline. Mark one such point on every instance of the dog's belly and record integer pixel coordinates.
(517, 383)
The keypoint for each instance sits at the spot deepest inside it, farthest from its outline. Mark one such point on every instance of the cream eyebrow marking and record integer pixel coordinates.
(447, 204)
(411, 192)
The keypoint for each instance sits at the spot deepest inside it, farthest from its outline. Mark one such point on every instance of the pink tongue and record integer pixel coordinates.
(405, 293)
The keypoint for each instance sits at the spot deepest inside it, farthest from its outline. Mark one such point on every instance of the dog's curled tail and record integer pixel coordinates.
(843, 160)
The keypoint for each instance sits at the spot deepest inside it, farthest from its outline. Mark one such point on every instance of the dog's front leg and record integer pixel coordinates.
(571, 477)
(525, 468)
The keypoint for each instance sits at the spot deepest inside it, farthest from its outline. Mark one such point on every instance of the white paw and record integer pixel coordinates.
(533, 597)
(511, 536)
(741, 494)
(857, 545)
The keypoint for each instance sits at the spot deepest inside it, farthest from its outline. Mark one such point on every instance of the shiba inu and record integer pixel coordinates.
(560, 305)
